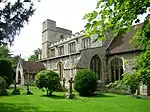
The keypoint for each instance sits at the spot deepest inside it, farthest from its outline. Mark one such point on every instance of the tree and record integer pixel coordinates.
(118, 16)
(3, 84)
(34, 57)
(6, 71)
(4, 52)
(14, 61)
(47, 79)
(12, 19)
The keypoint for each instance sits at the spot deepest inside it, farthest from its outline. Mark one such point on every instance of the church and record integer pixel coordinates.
(66, 53)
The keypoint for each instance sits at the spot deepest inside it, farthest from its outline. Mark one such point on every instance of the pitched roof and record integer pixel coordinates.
(32, 67)
(122, 43)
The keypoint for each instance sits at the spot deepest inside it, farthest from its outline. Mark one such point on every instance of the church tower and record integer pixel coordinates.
(48, 36)
(51, 34)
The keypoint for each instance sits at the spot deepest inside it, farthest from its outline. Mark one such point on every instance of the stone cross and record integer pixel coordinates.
(15, 86)
(64, 82)
(28, 83)
(70, 85)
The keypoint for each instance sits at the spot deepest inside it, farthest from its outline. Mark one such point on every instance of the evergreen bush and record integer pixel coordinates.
(85, 82)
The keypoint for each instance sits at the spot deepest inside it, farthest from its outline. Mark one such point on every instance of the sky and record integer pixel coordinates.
(68, 14)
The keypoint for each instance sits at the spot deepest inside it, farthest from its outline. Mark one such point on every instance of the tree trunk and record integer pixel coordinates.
(148, 89)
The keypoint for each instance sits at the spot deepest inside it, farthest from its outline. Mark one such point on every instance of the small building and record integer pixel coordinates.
(26, 71)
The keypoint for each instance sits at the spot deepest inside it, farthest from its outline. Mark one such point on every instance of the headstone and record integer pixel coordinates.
(70, 86)
(15, 85)
(28, 90)
(138, 92)
(69, 95)
(15, 91)
(64, 82)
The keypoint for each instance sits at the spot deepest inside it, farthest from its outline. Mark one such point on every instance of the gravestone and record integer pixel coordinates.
(64, 83)
(28, 89)
(69, 95)
(15, 91)
(29, 92)
(138, 92)
(70, 86)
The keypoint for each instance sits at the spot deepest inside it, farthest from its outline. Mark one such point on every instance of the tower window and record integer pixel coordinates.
(72, 47)
(61, 50)
(61, 37)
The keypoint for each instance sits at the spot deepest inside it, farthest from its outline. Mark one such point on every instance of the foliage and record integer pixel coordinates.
(6, 71)
(118, 16)
(2, 86)
(13, 17)
(132, 80)
(143, 67)
(85, 82)
(141, 72)
(47, 79)
(14, 61)
(16, 92)
(33, 58)
(4, 52)
(117, 85)
(129, 81)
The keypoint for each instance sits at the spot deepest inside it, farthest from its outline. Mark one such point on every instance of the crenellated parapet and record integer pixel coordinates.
(65, 40)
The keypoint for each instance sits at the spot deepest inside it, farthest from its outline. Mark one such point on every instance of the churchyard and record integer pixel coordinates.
(82, 95)
(105, 102)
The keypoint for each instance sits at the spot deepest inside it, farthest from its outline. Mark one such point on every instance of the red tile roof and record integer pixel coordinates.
(122, 43)
(32, 67)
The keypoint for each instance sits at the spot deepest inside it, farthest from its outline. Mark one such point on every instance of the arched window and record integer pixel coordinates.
(60, 70)
(95, 66)
(116, 69)
(61, 37)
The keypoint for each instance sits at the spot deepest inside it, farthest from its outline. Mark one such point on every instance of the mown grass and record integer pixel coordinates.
(98, 103)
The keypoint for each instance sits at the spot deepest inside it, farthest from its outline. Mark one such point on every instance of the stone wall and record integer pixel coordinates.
(128, 63)
(68, 62)
(128, 60)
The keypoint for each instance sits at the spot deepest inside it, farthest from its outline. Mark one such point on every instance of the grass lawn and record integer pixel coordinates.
(99, 103)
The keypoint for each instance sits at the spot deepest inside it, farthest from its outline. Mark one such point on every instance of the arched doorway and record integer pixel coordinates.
(116, 67)
(60, 70)
(96, 66)
(19, 77)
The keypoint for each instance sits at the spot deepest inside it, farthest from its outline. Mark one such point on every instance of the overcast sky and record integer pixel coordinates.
(67, 14)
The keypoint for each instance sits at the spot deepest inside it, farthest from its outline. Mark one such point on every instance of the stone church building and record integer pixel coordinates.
(66, 53)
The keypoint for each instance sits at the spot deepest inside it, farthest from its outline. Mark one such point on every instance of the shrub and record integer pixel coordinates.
(132, 80)
(47, 79)
(85, 82)
(59, 88)
(6, 71)
(3, 90)
(16, 92)
(117, 85)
